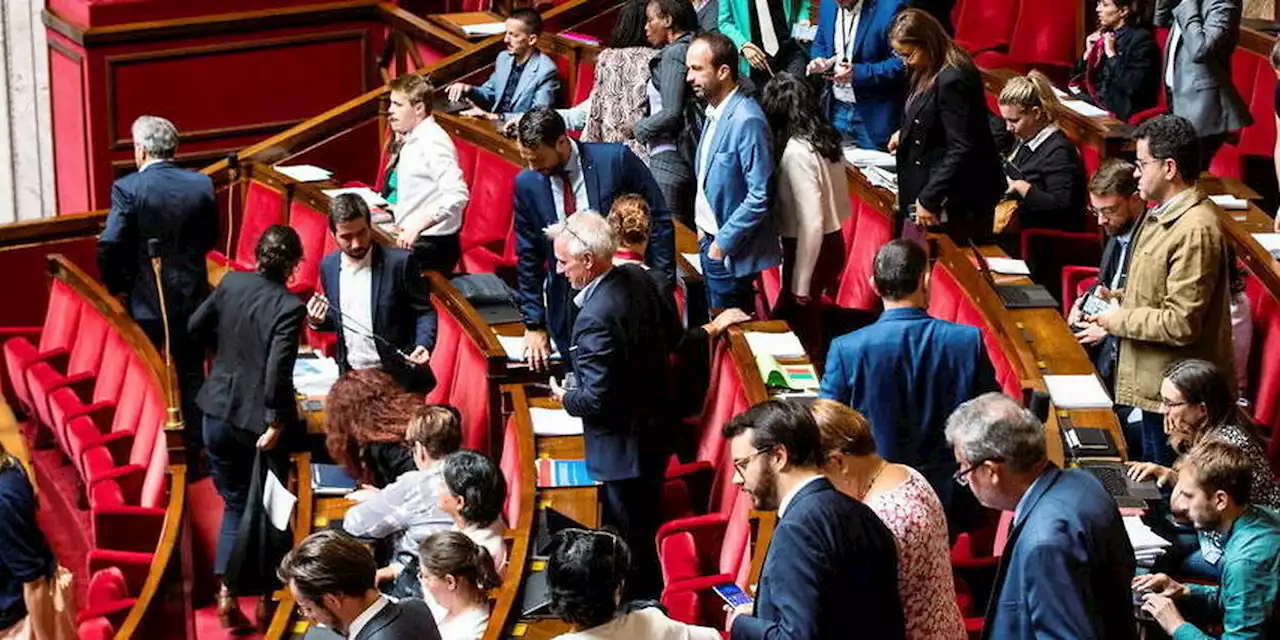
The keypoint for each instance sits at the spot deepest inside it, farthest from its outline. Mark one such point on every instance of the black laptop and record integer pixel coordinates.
(1115, 477)
(1015, 296)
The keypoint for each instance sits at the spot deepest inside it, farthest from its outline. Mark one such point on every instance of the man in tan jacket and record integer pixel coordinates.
(1175, 300)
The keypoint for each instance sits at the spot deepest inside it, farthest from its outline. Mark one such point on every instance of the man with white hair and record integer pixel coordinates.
(624, 332)
(1067, 563)
(175, 207)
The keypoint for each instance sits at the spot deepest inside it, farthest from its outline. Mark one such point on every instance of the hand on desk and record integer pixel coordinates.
(458, 90)
(1139, 471)
(537, 349)
(477, 112)
(365, 492)
(726, 319)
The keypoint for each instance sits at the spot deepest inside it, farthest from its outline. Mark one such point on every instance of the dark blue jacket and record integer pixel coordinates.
(879, 76)
(621, 339)
(1066, 568)
(26, 556)
(609, 170)
(906, 373)
(831, 572)
(402, 314)
(171, 204)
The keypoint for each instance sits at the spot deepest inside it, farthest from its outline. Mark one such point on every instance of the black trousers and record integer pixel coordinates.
(438, 253)
(632, 507)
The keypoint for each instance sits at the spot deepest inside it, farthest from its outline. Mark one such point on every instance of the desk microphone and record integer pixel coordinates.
(348, 324)
(174, 413)
(1038, 403)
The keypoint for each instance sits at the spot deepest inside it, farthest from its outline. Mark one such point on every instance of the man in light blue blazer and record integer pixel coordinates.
(1068, 562)
(734, 164)
(867, 87)
(523, 77)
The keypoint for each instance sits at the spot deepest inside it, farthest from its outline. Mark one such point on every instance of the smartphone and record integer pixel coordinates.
(1138, 611)
(732, 594)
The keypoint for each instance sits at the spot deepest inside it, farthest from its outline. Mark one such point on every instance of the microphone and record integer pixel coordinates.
(346, 323)
(1038, 403)
(173, 412)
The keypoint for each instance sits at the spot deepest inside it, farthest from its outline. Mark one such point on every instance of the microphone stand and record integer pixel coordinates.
(347, 324)
(173, 412)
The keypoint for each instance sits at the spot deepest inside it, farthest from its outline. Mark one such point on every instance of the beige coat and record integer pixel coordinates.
(813, 200)
(1176, 299)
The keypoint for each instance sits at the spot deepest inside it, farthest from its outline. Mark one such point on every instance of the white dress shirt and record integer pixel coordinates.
(1175, 36)
(581, 298)
(355, 286)
(429, 181)
(365, 616)
(846, 27)
(578, 181)
(704, 217)
(468, 624)
(786, 500)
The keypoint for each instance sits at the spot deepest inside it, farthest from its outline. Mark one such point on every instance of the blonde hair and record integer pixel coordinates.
(629, 217)
(1032, 91)
(417, 89)
(842, 429)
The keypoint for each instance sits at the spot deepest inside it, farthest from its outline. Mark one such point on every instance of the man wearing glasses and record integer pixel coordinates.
(1176, 299)
(1066, 567)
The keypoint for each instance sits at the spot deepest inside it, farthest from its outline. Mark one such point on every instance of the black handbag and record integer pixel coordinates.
(259, 545)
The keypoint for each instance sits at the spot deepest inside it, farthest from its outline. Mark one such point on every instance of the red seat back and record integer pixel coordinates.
(510, 465)
(586, 80)
(947, 301)
(487, 222)
(1264, 359)
(116, 355)
(1256, 81)
(313, 229)
(466, 160)
(986, 24)
(61, 319)
(1045, 34)
(263, 207)
(444, 360)
(864, 232)
(726, 399)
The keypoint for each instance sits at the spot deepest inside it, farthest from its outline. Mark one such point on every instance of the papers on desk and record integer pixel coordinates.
(278, 502)
(313, 376)
(1077, 392)
(883, 178)
(869, 158)
(1270, 242)
(801, 378)
(562, 473)
(304, 172)
(514, 346)
(484, 29)
(554, 422)
(1229, 202)
(1009, 266)
(778, 345)
(1062, 95)
(370, 197)
(804, 32)
(694, 260)
(1084, 108)
(1147, 546)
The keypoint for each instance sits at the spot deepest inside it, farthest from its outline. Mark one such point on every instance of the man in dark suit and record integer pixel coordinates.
(176, 207)
(566, 176)
(376, 300)
(832, 565)
(625, 330)
(1068, 562)
(331, 576)
(907, 372)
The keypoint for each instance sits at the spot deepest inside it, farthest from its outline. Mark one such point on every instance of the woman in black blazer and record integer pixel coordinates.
(1044, 172)
(248, 399)
(1120, 69)
(948, 168)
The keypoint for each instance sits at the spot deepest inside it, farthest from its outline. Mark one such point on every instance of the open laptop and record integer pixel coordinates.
(1127, 493)
(1015, 296)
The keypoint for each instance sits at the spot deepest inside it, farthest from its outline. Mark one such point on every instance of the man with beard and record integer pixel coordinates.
(831, 562)
(1214, 481)
(376, 300)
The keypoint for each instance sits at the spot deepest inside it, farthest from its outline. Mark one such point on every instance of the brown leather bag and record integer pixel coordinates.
(51, 607)
(1006, 217)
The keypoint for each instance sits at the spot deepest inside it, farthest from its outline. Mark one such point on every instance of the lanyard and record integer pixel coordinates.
(846, 51)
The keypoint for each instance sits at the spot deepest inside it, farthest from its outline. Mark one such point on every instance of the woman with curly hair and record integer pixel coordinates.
(366, 415)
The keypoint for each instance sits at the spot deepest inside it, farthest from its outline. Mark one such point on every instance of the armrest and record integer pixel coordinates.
(129, 477)
(127, 528)
(711, 523)
(1143, 116)
(692, 601)
(58, 357)
(119, 444)
(113, 610)
(134, 565)
(80, 383)
(100, 412)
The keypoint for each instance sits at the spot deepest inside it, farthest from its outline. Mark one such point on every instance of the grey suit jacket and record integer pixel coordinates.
(408, 619)
(1202, 90)
(709, 16)
(537, 86)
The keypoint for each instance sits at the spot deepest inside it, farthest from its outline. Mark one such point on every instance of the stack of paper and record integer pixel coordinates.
(554, 422)
(370, 197)
(1270, 242)
(514, 346)
(1084, 108)
(314, 376)
(1147, 546)
(1009, 266)
(778, 345)
(869, 158)
(484, 29)
(305, 172)
(1229, 202)
(880, 177)
(1077, 392)
(694, 260)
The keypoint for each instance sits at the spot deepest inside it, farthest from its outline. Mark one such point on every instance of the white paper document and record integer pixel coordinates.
(1229, 202)
(694, 260)
(305, 172)
(277, 501)
(1077, 392)
(869, 158)
(778, 345)
(514, 346)
(484, 29)
(1269, 241)
(314, 376)
(554, 422)
(1084, 108)
(1009, 266)
(370, 197)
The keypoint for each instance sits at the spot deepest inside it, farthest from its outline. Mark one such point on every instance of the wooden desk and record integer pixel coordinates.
(456, 21)
(1105, 134)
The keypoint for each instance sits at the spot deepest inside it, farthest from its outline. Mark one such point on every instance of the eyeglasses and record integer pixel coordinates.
(1105, 212)
(1171, 404)
(1142, 163)
(740, 464)
(962, 476)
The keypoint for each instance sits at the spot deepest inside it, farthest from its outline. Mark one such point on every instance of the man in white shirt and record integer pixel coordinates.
(376, 300)
(430, 192)
(331, 578)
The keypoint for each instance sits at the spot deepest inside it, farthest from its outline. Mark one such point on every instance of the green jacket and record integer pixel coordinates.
(735, 22)
(1245, 597)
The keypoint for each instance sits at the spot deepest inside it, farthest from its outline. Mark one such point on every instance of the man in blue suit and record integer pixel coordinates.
(175, 207)
(523, 77)
(907, 372)
(1067, 565)
(831, 570)
(625, 330)
(734, 166)
(375, 298)
(867, 87)
(564, 177)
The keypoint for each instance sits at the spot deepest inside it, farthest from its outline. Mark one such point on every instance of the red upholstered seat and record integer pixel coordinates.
(1264, 361)
(462, 380)
(864, 232)
(263, 206)
(768, 288)
(96, 629)
(1044, 37)
(487, 223)
(699, 553)
(134, 565)
(1075, 279)
(1162, 96)
(510, 465)
(986, 24)
(60, 322)
(948, 302)
(1256, 81)
(83, 361)
(127, 437)
(586, 80)
(466, 160)
(444, 360)
(313, 229)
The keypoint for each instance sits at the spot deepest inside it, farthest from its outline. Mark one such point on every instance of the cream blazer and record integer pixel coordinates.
(813, 200)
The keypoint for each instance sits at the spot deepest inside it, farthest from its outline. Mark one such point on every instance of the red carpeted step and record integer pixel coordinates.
(208, 627)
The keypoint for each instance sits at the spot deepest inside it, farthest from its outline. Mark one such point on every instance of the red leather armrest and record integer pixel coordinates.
(127, 528)
(132, 564)
(129, 477)
(118, 443)
(81, 383)
(699, 526)
(100, 412)
(1143, 116)
(56, 357)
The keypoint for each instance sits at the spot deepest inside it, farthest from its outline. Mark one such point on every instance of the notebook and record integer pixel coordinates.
(1077, 392)
(554, 422)
(778, 345)
(796, 377)
(557, 474)
(330, 480)
(305, 172)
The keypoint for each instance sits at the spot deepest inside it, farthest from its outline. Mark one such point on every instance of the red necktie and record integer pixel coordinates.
(570, 202)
